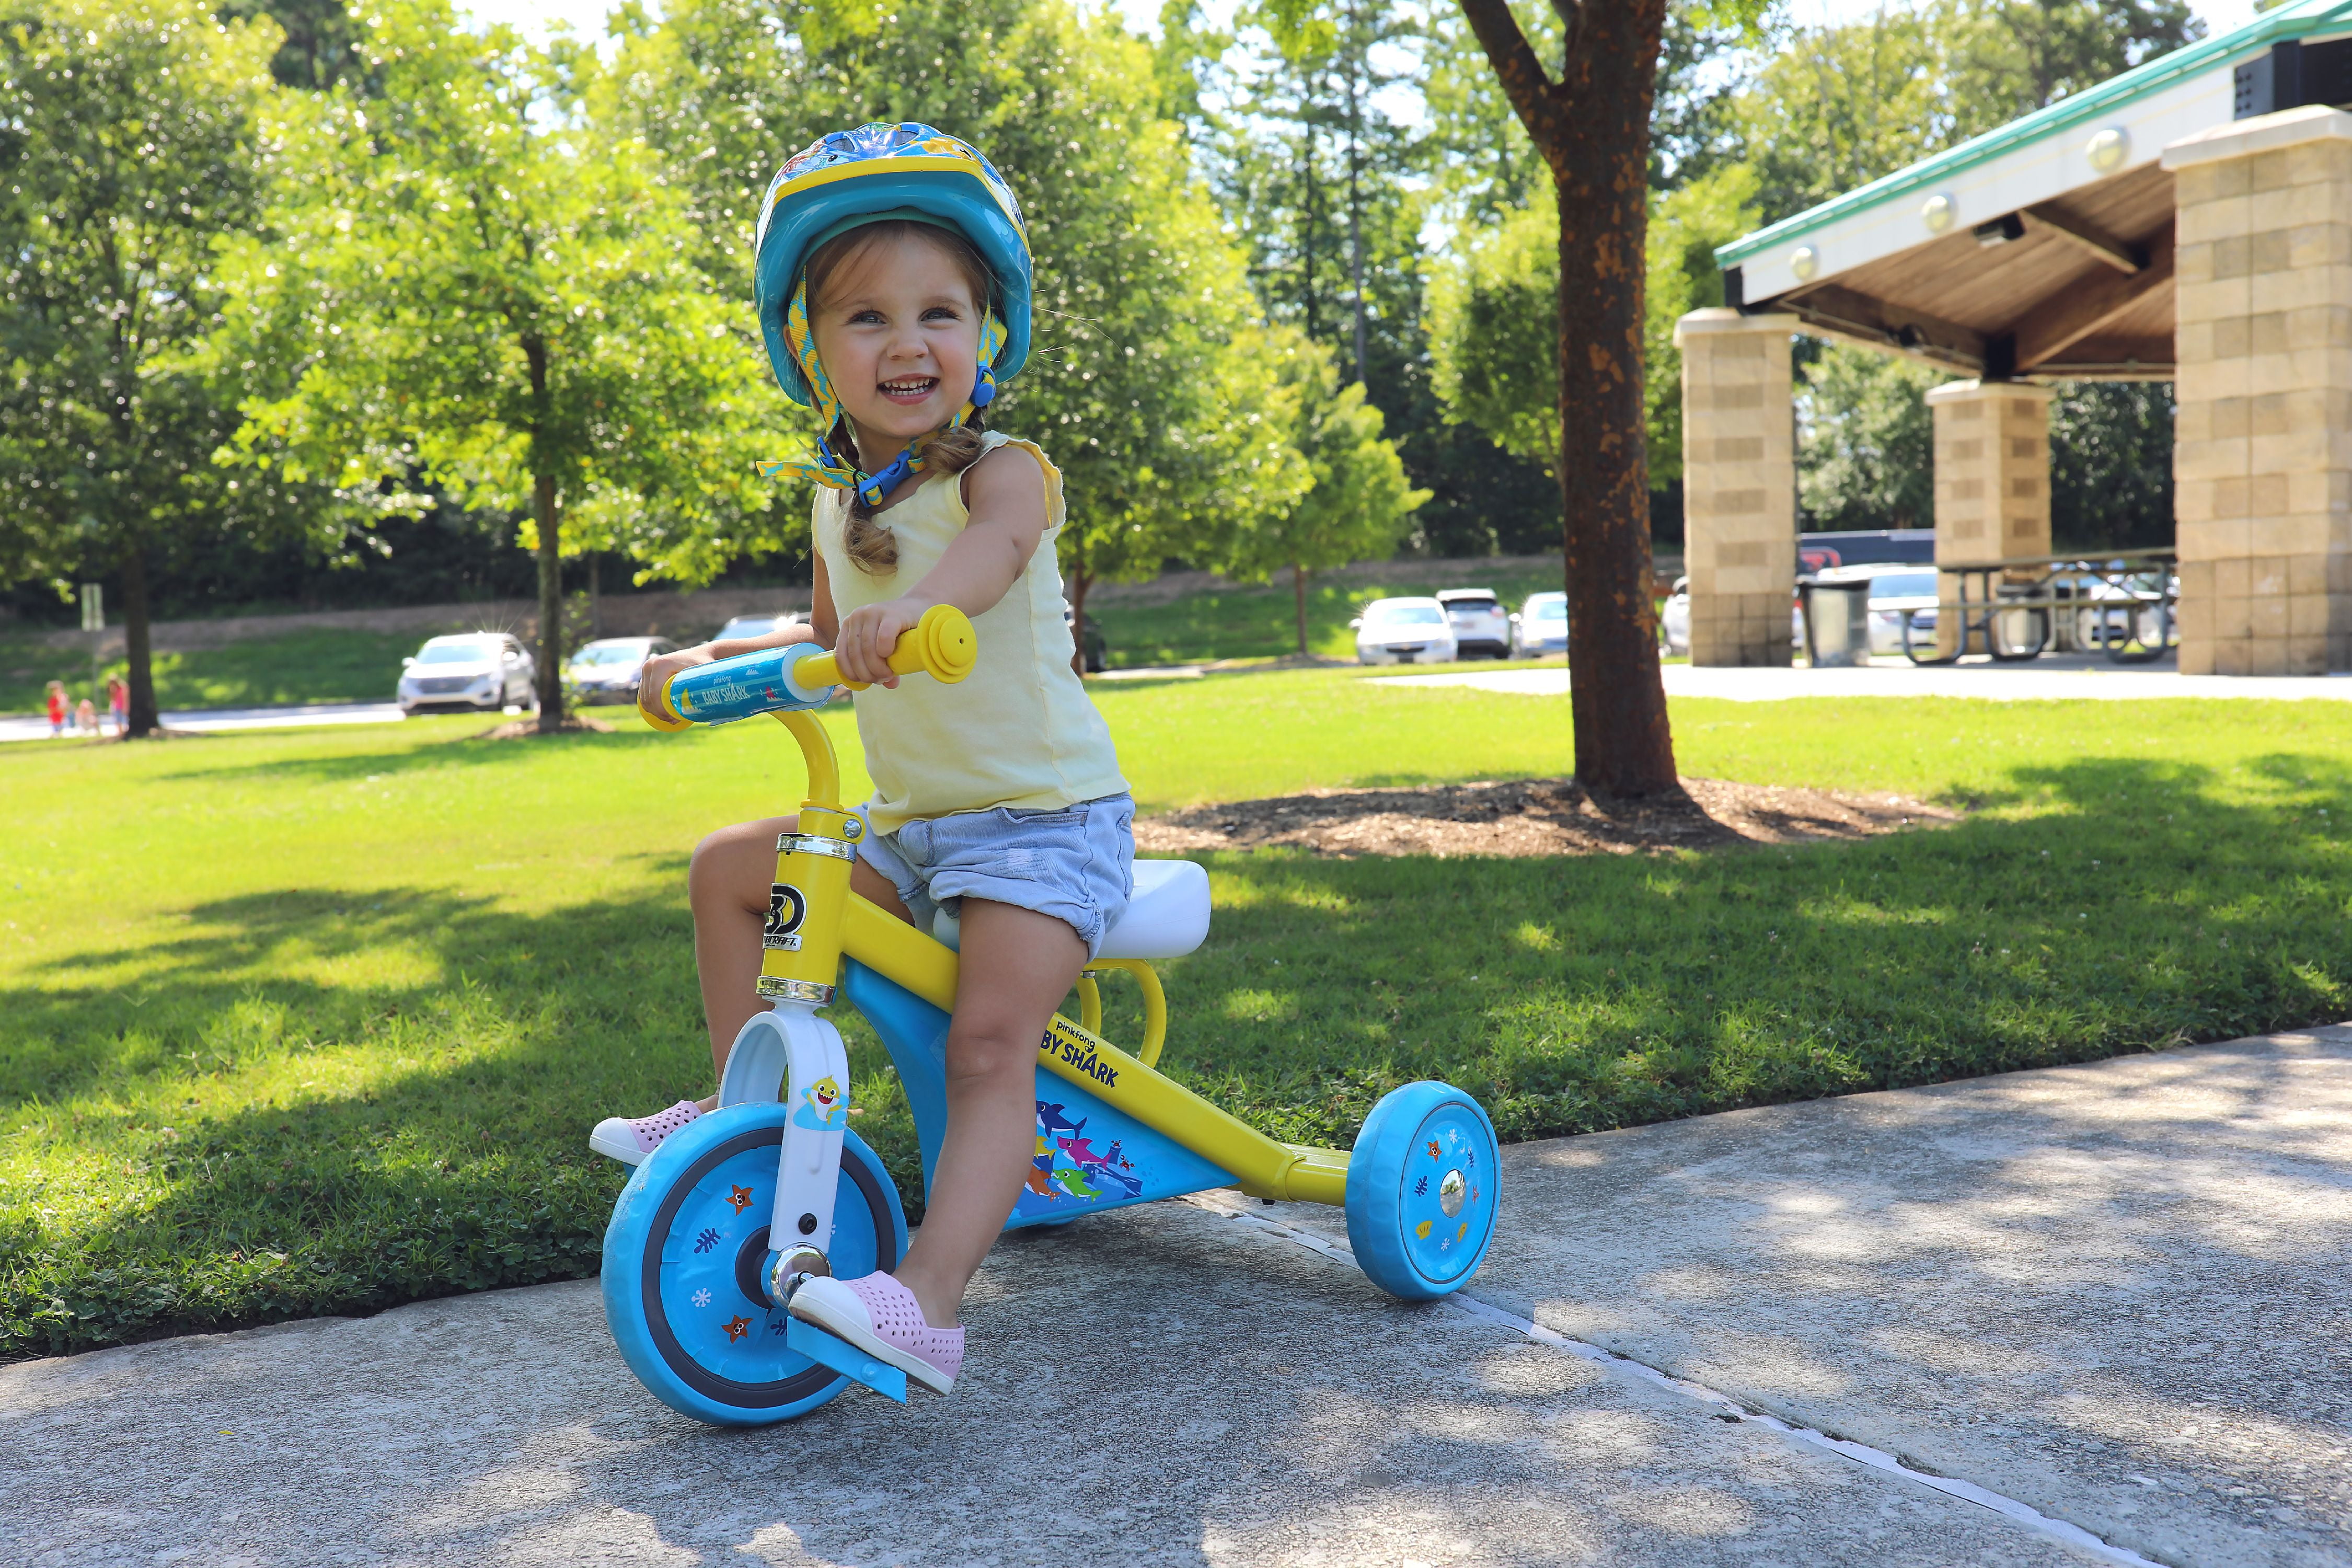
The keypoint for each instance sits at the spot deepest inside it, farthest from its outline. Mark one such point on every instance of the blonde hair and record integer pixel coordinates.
(868, 542)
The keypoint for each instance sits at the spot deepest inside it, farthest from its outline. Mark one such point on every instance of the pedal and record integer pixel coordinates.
(830, 1350)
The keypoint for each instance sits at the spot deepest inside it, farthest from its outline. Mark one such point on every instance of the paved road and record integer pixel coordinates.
(2056, 678)
(206, 721)
(2107, 1299)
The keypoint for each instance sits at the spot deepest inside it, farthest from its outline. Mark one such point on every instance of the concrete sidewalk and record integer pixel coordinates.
(2115, 1292)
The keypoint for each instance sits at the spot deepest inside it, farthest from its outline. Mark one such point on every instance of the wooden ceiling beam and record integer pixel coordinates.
(1848, 313)
(2088, 238)
(2065, 319)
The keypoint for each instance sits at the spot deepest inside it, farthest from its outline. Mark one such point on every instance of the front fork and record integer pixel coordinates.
(790, 1045)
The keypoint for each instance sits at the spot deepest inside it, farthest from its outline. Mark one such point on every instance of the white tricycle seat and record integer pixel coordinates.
(1166, 917)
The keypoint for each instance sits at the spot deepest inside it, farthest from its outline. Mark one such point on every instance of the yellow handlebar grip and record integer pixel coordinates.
(941, 645)
(661, 714)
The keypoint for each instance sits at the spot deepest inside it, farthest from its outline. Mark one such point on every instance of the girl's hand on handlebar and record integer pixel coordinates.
(870, 635)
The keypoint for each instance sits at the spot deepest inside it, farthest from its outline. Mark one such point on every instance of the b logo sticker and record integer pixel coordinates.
(786, 909)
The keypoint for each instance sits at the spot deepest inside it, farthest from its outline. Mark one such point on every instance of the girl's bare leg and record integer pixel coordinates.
(1017, 967)
(727, 888)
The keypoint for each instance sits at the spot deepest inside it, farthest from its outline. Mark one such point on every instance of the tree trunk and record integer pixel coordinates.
(144, 717)
(1299, 593)
(1592, 127)
(1356, 64)
(551, 607)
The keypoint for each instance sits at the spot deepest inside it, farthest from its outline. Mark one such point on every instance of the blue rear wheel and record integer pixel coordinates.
(1422, 1188)
(682, 1261)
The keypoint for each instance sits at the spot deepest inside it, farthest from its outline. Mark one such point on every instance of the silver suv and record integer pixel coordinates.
(482, 671)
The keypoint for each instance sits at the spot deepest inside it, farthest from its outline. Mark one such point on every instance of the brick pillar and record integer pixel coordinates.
(1740, 485)
(2261, 451)
(1992, 477)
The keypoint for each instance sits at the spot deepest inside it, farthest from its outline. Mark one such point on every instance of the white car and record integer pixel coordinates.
(1403, 631)
(1480, 624)
(606, 670)
(1673, 620)
(481, 671)
(1540, 627)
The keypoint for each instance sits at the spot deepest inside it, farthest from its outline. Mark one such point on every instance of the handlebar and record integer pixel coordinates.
(780, 680)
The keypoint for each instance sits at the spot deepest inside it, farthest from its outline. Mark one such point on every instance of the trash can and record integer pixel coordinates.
(1837, 623)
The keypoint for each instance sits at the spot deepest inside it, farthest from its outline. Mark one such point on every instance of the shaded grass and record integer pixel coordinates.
(314, 1022)
(1263, 623)
(316, 666)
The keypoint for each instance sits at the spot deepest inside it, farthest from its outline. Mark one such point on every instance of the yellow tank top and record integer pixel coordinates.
(1018, 731)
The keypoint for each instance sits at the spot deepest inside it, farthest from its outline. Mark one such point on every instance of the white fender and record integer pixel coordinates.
(790, 1045)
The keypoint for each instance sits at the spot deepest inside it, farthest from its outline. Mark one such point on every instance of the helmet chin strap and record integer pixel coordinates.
(825, 465)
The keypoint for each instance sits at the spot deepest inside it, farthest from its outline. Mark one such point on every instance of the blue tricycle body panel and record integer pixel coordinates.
(1089, 1155)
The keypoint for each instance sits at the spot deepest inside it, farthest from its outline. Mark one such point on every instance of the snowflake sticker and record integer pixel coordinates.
(702, 1297)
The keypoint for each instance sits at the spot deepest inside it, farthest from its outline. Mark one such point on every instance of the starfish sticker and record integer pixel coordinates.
(737, 1328)
(1433, 1154)
(740, 1197)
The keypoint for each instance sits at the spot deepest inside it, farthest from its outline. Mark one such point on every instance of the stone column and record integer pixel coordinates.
(1740, 485)
(2261, 450)
(1992, 477)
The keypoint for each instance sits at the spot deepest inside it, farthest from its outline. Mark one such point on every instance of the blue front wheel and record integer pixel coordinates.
(683, 1257)
(1422, 1190)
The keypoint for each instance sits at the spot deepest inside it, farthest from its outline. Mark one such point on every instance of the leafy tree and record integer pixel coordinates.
(1866, 443)
(1137, 386)
(321, 45)
(511, 312)
(1359, 503)
(130, 148)
(2111, 465)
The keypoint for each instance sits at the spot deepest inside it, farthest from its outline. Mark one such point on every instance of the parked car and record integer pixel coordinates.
(1540, 627)
(1480, 624)
(1097, 645)
(1673, 619)
(1403, 631)
(482, 671)
(1894, 591)
(606, 670)
(751, 627)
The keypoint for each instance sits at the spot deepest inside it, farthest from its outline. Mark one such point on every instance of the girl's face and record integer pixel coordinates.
(898, 333)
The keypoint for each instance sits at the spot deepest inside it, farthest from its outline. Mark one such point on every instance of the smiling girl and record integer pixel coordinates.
(894, 291)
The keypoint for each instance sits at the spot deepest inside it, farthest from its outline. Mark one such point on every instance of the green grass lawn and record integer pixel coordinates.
(1263, 623)
(317, 1021)
(316, 666)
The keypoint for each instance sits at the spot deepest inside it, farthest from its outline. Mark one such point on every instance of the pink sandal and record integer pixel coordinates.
(630, 1140)
(881, 1317)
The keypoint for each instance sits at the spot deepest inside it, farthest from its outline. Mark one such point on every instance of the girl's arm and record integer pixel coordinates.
(1004, 495)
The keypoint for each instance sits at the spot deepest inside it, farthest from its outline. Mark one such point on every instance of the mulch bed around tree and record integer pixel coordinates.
(1532, 816)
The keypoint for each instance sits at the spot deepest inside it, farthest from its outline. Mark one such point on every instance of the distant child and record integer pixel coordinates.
(118, 701)
(57, 709)
(86, 717)
(894, 302)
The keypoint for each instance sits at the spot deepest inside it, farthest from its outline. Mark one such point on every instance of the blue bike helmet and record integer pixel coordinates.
(871, 175)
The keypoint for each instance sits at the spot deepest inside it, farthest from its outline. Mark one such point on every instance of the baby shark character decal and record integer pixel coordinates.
(824, 1108)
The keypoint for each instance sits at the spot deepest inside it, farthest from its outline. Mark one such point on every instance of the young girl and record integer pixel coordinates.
(57, 699)
(893, 285)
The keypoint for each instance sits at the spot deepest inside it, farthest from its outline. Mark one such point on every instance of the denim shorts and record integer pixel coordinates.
(1074, 864)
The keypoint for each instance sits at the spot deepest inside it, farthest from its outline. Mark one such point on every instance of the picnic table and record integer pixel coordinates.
(2121, 603)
